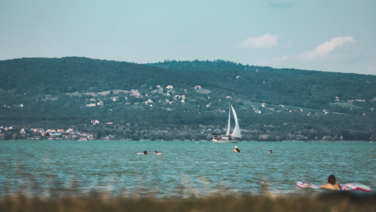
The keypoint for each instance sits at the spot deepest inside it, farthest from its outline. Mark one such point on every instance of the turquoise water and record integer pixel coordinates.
(50, 168)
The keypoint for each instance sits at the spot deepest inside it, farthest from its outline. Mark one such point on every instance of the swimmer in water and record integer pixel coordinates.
(270, 151)
(145, 153)
(332, 184)
(236, 149)
(155, 153)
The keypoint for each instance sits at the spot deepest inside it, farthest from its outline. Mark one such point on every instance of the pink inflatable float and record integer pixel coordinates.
(345, 187)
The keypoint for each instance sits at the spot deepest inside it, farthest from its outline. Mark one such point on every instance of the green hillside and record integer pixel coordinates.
(298, 104)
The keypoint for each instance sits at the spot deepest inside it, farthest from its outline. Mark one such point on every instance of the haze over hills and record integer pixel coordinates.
(272, 104)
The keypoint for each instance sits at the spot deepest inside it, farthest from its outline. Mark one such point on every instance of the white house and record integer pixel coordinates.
(148, 101)
(94, 122)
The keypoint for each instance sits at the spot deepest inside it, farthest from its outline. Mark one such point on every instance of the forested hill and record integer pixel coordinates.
(57, 91)
(285, 86)
(54, 76)
(220, 65)
(197, 65)
(290, 86)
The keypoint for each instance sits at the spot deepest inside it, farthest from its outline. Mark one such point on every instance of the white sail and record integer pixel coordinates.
(236, 132)
(229, 119)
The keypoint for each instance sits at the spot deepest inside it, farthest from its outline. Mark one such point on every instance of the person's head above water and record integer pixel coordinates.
(236, 149)
(332, 179)
(332, 184)
(155, 152)
(145, 152)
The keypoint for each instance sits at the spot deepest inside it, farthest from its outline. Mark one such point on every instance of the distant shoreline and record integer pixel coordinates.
(205, 141)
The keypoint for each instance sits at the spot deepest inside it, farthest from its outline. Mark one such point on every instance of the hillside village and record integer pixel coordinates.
(169, 99)
(160, 97)
(181, 100)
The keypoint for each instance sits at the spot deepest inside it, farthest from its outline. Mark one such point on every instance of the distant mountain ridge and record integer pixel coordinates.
(197, 65)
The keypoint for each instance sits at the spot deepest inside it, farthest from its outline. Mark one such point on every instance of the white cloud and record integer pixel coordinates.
(266, 41)
(289, 45)
(281, 59)
(325, 48)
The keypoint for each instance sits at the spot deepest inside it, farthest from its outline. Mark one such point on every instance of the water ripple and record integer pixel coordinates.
(47, 168)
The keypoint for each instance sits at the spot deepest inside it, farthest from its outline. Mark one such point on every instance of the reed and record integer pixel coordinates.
(332, 201)
(30, 195)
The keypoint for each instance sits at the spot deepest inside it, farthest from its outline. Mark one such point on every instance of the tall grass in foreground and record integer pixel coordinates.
(332, 201)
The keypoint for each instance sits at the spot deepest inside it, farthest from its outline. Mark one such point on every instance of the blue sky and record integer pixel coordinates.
(337, 35)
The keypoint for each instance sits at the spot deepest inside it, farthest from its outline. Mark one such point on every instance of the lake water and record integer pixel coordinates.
(50, 168)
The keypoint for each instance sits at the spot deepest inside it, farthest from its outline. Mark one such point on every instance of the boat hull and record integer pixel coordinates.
(225, 141)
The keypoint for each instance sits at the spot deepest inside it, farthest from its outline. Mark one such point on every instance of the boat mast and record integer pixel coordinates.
(229, 119)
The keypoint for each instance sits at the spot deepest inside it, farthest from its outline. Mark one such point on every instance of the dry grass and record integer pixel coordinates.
(342, 201)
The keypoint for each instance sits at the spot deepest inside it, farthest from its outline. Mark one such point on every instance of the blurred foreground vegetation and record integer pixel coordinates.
(332, 201)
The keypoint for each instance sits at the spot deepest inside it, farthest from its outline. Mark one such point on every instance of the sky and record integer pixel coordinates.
(324, 35)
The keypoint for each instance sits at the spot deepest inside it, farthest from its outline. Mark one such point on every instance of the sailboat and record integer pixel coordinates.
(229, 138)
